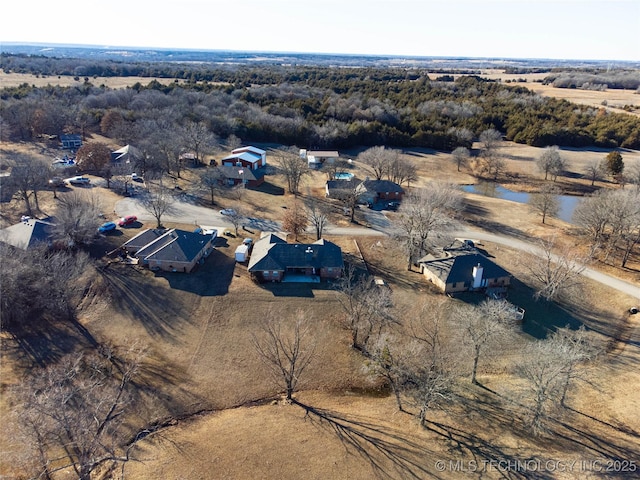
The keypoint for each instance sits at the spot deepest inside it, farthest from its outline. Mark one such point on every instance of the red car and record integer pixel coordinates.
(128, 220)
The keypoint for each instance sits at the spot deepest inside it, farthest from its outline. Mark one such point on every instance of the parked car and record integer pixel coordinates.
(107, 227)
(227, 211)
(78, 181)
(128, 220)
(57, 182)
(248, 241)
(136, 178)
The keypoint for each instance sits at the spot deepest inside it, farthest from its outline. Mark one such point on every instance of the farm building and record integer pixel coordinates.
(274, 259)
(170, 250)
(247, 157)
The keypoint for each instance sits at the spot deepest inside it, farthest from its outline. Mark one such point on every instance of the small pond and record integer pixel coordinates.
(568, 203)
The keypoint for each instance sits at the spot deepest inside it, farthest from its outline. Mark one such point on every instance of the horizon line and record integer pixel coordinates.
(276, 52)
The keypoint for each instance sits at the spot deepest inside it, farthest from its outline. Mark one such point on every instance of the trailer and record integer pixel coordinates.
(242, 253)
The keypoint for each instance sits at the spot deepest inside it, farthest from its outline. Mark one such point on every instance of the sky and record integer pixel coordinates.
(553, 29)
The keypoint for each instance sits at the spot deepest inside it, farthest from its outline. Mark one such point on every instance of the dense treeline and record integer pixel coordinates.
(314, 106)
(620, 79)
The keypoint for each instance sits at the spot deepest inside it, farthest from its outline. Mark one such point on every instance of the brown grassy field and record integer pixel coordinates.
(198, 329)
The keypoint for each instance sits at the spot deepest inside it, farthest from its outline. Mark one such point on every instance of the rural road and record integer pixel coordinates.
(613, 282)
(184, 212)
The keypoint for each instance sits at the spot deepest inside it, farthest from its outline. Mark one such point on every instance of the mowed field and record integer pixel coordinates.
(220, 410)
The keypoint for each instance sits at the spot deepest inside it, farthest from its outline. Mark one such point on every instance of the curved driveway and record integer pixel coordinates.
(184, 212)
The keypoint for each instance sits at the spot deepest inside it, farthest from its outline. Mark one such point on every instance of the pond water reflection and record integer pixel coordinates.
(568, 203)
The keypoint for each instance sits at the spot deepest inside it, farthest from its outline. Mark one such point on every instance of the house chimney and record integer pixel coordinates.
(477, 276)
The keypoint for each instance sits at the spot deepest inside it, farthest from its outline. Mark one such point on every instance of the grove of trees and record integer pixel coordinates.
(308, 106)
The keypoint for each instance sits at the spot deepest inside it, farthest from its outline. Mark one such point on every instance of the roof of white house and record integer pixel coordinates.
(251, 149)
(246, 156)
(322, 153)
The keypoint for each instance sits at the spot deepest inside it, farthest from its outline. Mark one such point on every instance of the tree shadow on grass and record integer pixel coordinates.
(379, 445)
(565, 433)
(155, 307)
(46, 340)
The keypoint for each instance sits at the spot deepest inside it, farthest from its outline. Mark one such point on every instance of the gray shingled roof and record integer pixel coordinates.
(27, 234)
(232, 171)
(459, 268)
(379, 186)
(144, 238)
(273, 253)
(171, 245)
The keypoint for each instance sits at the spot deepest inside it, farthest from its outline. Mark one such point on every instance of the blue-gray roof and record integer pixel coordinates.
(459, 268)
(273, 253)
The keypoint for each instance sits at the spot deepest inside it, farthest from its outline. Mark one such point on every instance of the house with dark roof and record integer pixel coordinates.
(71, 141)
(126, 154)
(341, 188)
(273, 259)
(29, 233)
(464, 272)
(373, 191)
(238, 175)
(170, 250)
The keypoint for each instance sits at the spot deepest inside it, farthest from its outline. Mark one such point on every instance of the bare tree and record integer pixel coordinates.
(287, 350)
(595, 170)
(431, 378)
(543, 371)
(332, 168)
(552, 366)
(493, 164)
(546, 201)
(551, 162)
(349, 196)
(392, 361)
(317, 215)
(29, 174)
(633, 175)
(210, 181)
(236, 217)
(39, 285)
(484, 327)
(366, 307)
(460, 156)
(295, 219)
(122, 176)
(555, 269)
(158, 201)
(402, 170)
(377, 159)
(578, 348)
(199, 139)
(77, 219)
(75, 412)
(611, 220)
(292, 167)
(427, 212)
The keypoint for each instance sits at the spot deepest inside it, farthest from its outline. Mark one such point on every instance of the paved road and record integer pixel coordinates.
(184, 212)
